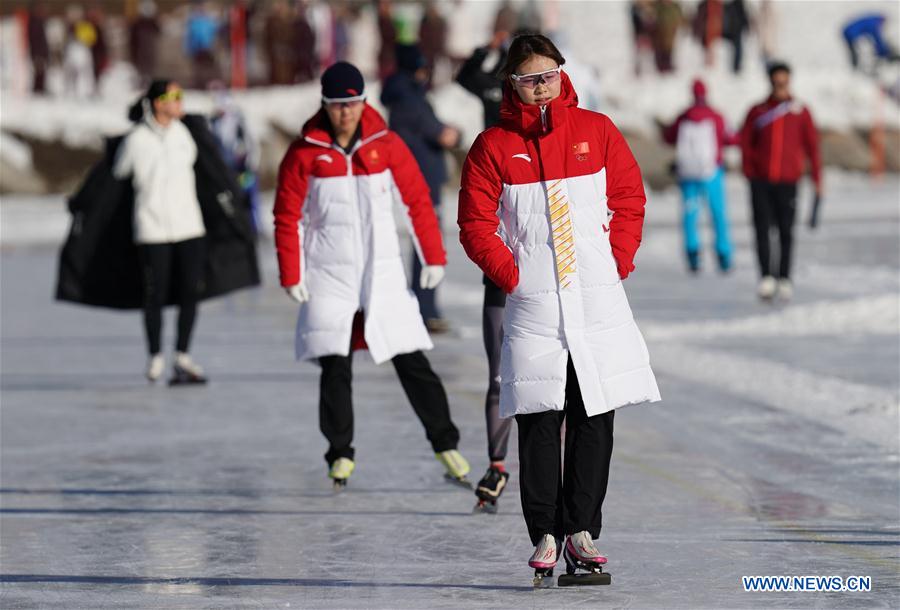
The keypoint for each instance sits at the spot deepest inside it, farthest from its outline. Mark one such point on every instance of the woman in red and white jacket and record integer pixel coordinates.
(551, 208)
(344, 265)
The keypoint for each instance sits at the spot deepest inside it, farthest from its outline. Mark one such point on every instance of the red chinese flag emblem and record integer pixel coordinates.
(581, 148)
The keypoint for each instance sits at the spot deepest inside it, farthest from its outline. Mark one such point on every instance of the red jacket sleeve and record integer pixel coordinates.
(479, 198)
(289, 198)
(625, 199)
(670, 133)
(811, 146)
(748, 143)
(417, 198)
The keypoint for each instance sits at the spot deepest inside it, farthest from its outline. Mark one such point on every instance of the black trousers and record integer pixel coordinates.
(774, 204)
(159, 262)
(556, 500)
(492, 333)
(423, 389)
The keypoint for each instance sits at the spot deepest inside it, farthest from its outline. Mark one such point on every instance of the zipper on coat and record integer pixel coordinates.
(357, 226)
(543, 119)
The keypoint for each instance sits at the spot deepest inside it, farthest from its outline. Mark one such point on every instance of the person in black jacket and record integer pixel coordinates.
(485, 83)
(159, 221)
(413, 118)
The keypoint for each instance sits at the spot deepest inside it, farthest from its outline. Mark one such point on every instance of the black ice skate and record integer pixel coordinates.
(489, 489)
(186, 372)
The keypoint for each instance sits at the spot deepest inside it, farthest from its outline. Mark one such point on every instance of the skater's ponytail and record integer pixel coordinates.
(144, 103)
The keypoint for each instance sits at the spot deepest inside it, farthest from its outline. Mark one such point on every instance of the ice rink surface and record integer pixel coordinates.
(774, 451)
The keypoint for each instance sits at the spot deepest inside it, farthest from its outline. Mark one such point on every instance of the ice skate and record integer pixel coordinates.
(543, 560)
(186, 371)
(340, 471)
(766, 289)
(489, 489)
(457, 467)
(155, 367)
(580, 553)
(785, 290)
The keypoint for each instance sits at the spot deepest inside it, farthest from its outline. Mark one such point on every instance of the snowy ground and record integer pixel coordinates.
(774, 451)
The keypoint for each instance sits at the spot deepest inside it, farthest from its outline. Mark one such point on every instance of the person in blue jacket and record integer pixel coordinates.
(868, 26)
(414, 120)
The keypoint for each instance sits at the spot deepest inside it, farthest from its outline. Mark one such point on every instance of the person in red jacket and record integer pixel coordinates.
(344, 266)
(551, 208)
(699, 135)
(777, 138)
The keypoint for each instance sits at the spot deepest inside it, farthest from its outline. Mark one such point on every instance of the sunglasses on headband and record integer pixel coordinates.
(530, 81)
(171, 96)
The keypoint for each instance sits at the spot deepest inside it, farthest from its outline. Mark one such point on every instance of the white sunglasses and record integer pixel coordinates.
(530, 81)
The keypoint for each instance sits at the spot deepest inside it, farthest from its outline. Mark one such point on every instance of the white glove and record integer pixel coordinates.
(431, 276)
(298, 292)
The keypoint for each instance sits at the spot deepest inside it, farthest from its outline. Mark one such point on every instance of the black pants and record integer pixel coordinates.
(184, 259)
(774, 204)
(492, 333)
(423, 389)
(556, 501)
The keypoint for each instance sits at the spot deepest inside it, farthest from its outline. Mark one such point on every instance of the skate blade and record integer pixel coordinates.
(339, 485)
(485, 508)
(543, 579)
(584, 580)
(176, 381)
(460, 482)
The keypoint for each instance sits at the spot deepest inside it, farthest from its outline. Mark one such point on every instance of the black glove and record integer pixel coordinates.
(814, 212)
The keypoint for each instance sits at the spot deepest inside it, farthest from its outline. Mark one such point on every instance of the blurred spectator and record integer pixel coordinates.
(143, 42)
(99, 50)
(238, 147)
(767, 30)
(237, 29)
(777, 138)
(530, 17)
(486, 82)
(735, 22)
(708, 26)
(507, 19)
(281, 47)
(38, 48)
(78, 62)
(412, 117)
(432, 37)
(868, 27)
(305, 37)
(341, 32)
(387, 33)
(321, 18)
(200, 42)
(642, 17)
(668, 19)
(700, 135)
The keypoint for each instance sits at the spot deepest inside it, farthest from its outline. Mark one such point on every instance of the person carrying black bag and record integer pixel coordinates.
(159, 221)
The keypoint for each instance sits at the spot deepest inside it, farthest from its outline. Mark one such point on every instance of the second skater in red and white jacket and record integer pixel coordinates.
(347, 253)
(343, 265)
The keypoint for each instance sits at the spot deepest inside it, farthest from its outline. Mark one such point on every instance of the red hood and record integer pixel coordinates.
(526, 118)
(318, 127)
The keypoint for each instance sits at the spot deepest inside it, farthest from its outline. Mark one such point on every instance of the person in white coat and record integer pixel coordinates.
(344, 267)
(551, 208)
(158, 156)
